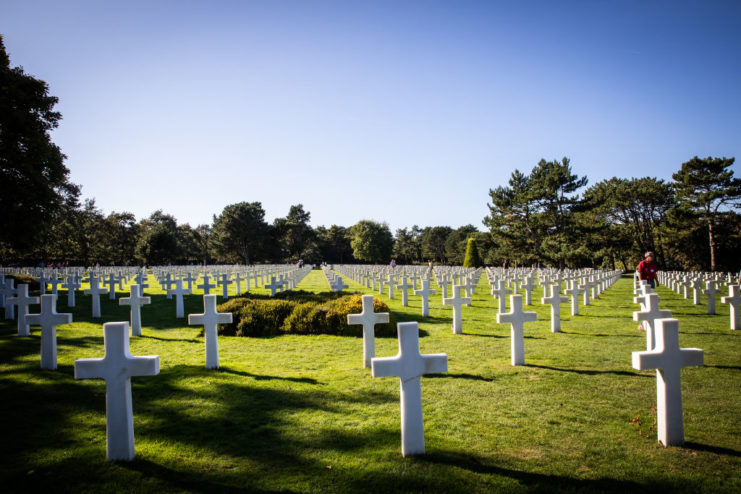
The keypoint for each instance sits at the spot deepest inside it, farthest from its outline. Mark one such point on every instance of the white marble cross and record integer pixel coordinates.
(22, 300)
(368, 319)
(190, 280)
(54, 281)
(238, 283)
(43, 281)
(71, 284)
(95, 291)
(404, 287)
(224, 281)
(390, 283)
(649, 315)
(135, 301)
(573, 291)
(528, 286)
(274, 286)
(733, 299)
(207, 285)
(425, 293)
(338, 285)
(555, 300)
(117, 367)
(8, 290)
(668, 360)
(178, 291)
(587, 286)
(444, 283)
(409, 365)
(165, 284)
(210, 319)
(48, 319)
(457, 301)
(710, 290)
(111, 282)
(517, 319)
(500, 292)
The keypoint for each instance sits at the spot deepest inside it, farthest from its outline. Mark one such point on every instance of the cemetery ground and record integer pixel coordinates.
(300, 413)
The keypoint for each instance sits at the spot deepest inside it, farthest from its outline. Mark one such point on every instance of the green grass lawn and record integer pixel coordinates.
(299, 413)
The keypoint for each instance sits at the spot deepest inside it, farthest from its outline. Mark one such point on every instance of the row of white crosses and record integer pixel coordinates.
(664, 354)
(682, 282)
(409, 365)
(407, 278)
(47, 318)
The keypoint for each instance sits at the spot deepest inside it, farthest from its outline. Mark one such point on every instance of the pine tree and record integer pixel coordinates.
(705, 186)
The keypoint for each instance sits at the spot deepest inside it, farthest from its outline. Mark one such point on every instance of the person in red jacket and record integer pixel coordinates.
(647, 269)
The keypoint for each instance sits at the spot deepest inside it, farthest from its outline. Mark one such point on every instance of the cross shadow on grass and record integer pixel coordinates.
(588, 372)
(259, 377)
(186, 340)
(616, 335)
(538, 482)
(725, 367)
(718, 450)
(448, 375)
(484, 335)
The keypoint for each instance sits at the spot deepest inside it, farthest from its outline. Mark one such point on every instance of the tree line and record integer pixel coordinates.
(549, 216)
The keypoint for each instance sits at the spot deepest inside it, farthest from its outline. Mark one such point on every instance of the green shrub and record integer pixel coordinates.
(25, 279)
(472, 259)
(299, 313)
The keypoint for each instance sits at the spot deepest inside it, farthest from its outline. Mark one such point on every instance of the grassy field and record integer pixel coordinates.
(300, 414)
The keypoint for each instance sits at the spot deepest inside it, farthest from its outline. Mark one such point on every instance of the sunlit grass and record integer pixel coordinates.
(299, 413)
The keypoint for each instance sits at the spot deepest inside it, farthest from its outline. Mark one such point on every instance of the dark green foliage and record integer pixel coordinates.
(408, 245)
(159, 245)
(24, 279)
(705, 187)
(333, 244)
(293, 234)
(622, 218)
(533, 219)
(34, 181)
(372, 242)
(433, 243)
(457, 244)
(299, 313)
(239, 233)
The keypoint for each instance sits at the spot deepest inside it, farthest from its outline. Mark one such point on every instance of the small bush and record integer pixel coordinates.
(25, 279)
(299, 313)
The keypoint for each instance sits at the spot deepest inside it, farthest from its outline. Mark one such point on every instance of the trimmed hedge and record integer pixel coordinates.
(24, 279)
(299, 313)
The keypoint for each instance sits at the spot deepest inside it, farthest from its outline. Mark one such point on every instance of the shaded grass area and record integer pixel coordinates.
(299, 414)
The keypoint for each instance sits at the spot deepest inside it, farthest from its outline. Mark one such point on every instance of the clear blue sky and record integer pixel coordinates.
(405, 112)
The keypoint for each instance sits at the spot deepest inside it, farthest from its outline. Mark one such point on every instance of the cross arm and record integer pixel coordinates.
(692, 357)
(88, 368)
(647, 360)
(145, 366)
(386, 366)
(434, 363)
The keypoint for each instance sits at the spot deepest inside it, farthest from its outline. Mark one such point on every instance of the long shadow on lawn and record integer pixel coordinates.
(185, 340)
(472, 377)
(588, 372)
(718, 450)
(541, 482)
(258, 377)
(604, 335)
(725, 367)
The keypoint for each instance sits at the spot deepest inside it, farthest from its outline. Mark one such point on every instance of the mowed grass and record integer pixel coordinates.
(300, 414)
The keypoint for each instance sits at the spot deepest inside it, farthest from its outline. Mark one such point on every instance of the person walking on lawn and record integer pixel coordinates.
(647, 269)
